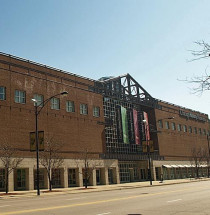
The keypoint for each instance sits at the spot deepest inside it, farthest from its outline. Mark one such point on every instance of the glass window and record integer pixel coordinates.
(70, 106)
(167, 125)
(195, 130)
(39, 99)
(173, 126)
(2, 179)
(2, 93)
(160, 123)
(204, 131)
(55, 103)
(184, 128)
(199, 130)
(83, 109)
(179, 127)
(20, 96)
(96, 111)
(190, 129)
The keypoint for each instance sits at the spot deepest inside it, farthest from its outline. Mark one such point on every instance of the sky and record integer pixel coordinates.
(149, 39)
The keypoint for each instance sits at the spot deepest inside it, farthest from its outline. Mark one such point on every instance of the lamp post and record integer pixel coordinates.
(38, 109)
(148, 149)
(148, 146)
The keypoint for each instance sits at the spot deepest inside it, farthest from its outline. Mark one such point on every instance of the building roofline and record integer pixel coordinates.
(181, 107)
(45, 66)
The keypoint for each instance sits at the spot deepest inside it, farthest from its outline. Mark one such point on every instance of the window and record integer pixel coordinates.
(167, 125)
(2, 93)
(39, 99)
(190, 129)
(160, 123)
(173, 126)
(55, 103)
(96, 111)
(179, 127)
(70, 106)
(184, 128)
(204, 131)
(195, 130)
(83, 109)
(20, 96)
(199, 131)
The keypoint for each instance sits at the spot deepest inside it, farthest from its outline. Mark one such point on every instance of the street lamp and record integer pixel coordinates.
(148, 149)
(148, 145)
(38, 109)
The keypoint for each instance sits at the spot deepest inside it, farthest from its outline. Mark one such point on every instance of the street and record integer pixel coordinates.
(187, 198)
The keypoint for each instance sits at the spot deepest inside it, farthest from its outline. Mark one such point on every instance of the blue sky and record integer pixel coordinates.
(96, 38)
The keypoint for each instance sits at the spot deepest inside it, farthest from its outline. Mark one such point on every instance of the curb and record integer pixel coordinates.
(33, 194)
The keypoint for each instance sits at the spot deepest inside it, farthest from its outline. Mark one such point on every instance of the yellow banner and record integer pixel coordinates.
(144, 146)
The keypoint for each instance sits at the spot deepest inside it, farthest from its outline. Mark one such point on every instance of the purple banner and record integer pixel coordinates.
(136, 127)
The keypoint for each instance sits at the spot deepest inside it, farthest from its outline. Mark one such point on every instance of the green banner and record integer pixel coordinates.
(124, 124)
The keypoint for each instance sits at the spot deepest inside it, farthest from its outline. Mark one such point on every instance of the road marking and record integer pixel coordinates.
(94, 202)
(176, 200)
(4, 206)
(104, 213)
(76, 198)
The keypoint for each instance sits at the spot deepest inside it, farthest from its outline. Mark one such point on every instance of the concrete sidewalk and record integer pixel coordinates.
(99, 188)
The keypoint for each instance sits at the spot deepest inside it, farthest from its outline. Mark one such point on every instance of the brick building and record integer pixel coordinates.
(103, 117)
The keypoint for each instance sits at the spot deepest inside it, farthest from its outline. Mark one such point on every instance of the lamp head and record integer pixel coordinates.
(144, 121)
(64, 93)
(34, 100)
(171, 117)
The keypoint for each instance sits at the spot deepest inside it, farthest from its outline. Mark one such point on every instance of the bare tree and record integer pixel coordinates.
(51, 158)
(198, 158)
(10, 160)
(89, 163)
(203, 51)
(200, 83)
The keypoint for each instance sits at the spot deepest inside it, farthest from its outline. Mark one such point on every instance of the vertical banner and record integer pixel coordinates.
(146, 126)
(124, 124)
(33, 141)
(136, 127)
(41, 140)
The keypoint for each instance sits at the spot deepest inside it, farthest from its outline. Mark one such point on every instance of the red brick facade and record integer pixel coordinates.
(75, 131)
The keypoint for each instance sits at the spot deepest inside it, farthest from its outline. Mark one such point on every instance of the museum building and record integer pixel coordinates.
(125, 133)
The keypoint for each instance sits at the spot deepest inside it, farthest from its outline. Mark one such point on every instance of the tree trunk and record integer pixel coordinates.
(50, 182)
(197, 172)
(86, 179)
(6, 180)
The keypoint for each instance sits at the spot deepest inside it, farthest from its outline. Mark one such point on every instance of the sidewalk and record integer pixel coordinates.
(75, 190)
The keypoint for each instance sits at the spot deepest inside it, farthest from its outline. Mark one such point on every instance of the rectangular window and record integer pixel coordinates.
(179, 127)
(160, 123)
(70, 106)
(2, 179)
(184, 128)
(20, 96)
(96, 111)
(199, 131)
(55, 103)
(195, 130)
(39, 99)
(2, 93)
(204, 131)
(167, 125)
(190, 129)
(173, 126)
(83, 109)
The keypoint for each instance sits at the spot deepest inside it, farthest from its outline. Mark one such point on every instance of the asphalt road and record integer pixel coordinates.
(180, 199)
